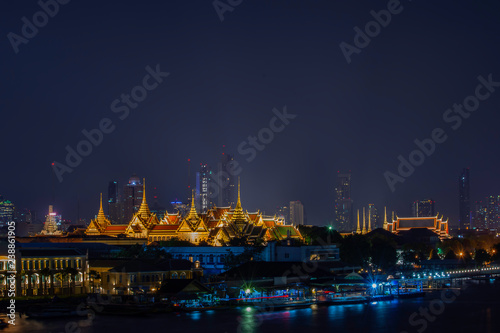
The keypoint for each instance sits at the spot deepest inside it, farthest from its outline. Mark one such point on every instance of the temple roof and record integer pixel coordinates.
(144, 211)
(238, 215)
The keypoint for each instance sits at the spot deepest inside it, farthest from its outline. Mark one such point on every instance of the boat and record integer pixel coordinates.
(378, 298)
(204, 308)
(411, 295)
(54, 311)
(123, 309)
(345, 300)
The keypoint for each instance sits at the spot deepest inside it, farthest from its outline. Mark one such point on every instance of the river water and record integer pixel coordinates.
(474, 309)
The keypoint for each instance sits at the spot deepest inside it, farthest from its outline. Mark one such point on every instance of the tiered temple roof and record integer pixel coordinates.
(216, 227)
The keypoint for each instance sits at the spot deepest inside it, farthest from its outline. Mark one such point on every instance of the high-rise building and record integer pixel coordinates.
(23, 215)
(132, 197)
(480, 215)
(493, 211)
(115, 210)
(6, 211)
(226, 181)
(423, 208)
(464, 199)
(296, 213)
(343, 202)
(204, 189)
(374, 216)
(283, 212)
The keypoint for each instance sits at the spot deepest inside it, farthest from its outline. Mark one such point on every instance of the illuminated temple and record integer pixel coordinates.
(216, 227)
(433, 223)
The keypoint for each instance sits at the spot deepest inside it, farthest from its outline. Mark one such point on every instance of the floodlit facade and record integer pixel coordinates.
(432, 223)
(218, 226)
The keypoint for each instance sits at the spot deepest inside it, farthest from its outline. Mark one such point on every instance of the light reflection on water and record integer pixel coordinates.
(385, 316)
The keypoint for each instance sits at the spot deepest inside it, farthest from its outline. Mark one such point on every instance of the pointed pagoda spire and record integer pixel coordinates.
(385, 218)
(192, 212)
(364, 223)
(238, 214)
(358, 230)
(101, 221)
(144, 211)
(238, 203)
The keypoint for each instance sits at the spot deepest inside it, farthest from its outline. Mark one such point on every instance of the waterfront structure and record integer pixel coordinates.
(343, 202)
(296, 213)
(423, 208)
(139, 275)
(212, 258)
(435, 224)
(132, 197)
(464, 199)
(52, 271)
(218, 226)
(52, 224)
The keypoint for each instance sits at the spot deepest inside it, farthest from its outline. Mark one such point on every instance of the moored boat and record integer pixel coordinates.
(54, 311)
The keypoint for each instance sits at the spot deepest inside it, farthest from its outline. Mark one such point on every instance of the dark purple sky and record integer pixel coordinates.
(226, 78)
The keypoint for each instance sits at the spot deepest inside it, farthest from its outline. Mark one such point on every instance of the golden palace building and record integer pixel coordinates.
(216, 227)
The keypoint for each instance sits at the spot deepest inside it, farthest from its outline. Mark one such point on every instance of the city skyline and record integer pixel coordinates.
(155, 138)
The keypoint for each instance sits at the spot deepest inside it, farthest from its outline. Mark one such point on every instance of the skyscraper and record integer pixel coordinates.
(132, 193)
(464, 200)
(114, 205)
(343, 202)
(480, 215)
(226, 181)
(6, 210)
(423, 208)
(203, 188)
(374, 217)
(283, 212)
(493, 211)
(296, 213)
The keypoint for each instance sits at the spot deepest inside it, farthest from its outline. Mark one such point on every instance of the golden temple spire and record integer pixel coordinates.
(144, 211)
(238, 210)
(100, 216)
(358, 230)
(192, 212)
(238, 203)
(364, 224)
(385, 218)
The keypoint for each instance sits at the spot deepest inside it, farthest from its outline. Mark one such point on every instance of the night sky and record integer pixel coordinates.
(225, 79)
